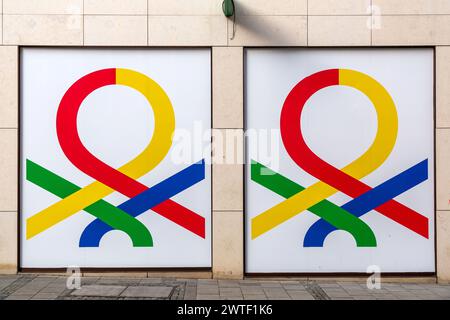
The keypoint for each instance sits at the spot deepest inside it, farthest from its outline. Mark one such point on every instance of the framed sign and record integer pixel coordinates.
(102, 181)
(347, 184)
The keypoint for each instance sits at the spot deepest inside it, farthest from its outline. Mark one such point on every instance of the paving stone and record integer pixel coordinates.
(289, 282)
(119, 282)
(273, 295)
(338, 295)
(294, 287)
(382, 296)
(275, 290)
(99, 291)
(300, 296)
(248, 282)
(207, 281)
(407, 298)
(36, 286)
(19, 297)
(232, 298)
(52, 290)
(85, 281)
(45, 296)
(208, 297)
(147, 292)
(44, 278)
(5, 282)
(8, 276)
(353, 285)
(328, 285)
(368, 297)
(146, 281)
(252, 286)
(412, 286)
(269, 284)
(441, 291)
(252, 290)
(208, 288)
(335, 291)
(207, 292)
(204, 285)
(255, 297)
(396, 289)
(230, 291)
(359, 292)
(430, 297)
(229, 284)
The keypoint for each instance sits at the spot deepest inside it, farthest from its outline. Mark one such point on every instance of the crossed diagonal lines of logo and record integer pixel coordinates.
(108, 179)
(332, 180)
(157, 198)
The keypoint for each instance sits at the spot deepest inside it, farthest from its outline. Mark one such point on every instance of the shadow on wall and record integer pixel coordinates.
(259, 26)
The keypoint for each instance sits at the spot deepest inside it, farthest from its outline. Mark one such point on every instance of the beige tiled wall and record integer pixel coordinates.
(201, 23)
(8, 158)
(228, 201)
(115, 7)
(108, 30)
(43, 6)
(419, 7)
(339, 7)
(228, 84)
(187, 31)
(338, 31)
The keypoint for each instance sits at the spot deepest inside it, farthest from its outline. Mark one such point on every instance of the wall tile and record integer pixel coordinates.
(43, 29)
(269, 31)
(228, 87)
(339, 31)
(115, 30)
(43, 6)
(120, 7)
(228, 245)
(413, 30)
(412, 6)
(271, 8)
(443, 169)
(339, 7)
(187, 31)
(443, 87)
(9, 106)
(9, 169)
(191, 8)
(443, 246)
(8, 242)
(228, 181)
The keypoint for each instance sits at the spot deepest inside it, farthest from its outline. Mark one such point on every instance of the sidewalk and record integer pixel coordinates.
(32, 286)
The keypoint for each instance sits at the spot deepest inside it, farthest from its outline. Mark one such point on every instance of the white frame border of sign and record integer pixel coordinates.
(21, 173)
(247, 180)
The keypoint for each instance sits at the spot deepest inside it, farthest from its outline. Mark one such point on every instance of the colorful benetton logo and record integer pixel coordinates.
(123, 179)
(332, 180)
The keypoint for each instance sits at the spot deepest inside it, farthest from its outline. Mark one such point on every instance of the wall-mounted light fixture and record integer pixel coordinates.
(229, 10)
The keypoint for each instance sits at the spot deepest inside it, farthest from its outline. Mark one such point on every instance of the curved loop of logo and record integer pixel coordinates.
(122, 179)
(110, 179)
(332, 179)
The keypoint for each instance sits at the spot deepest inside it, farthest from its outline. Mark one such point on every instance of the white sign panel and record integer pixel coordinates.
(340, 165)
(102, 180)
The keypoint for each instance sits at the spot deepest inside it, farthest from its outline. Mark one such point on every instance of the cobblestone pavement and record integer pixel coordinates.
(45, 287)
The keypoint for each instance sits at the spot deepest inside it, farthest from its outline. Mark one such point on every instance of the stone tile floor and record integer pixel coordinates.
(46, 287)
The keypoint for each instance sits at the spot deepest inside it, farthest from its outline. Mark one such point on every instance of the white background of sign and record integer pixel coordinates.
(115, 123)
(339, 124)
